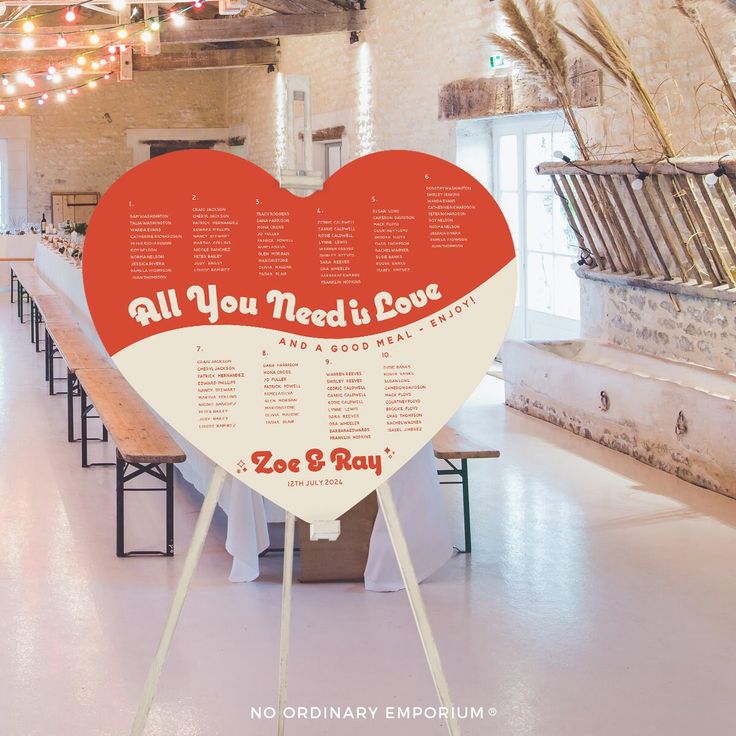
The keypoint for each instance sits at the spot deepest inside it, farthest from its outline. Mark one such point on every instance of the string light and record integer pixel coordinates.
(155, 24)
(61, 41)
(51, 70)
(95, 65)
(122, 32)
(712, 179)
(70, 16)
(10, 89)
(81, 60)
(61, 96)
(27, 43)
(94, 39)
(21, 102)
(28, 26)
(177, 18)
(92, 83)
(118, 5)
(146, 36)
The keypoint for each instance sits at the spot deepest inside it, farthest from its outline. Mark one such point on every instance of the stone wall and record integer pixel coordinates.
(81, 145)
(664, 320)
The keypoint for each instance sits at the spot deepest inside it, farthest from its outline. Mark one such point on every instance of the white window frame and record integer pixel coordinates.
(528, 322)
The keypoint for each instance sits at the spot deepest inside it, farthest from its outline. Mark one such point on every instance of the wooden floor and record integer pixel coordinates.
(598, 600)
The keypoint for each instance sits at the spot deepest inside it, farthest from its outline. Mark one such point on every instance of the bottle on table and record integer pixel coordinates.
(43, 223)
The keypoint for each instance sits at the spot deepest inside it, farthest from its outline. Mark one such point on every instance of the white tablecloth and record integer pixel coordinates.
(416, 486)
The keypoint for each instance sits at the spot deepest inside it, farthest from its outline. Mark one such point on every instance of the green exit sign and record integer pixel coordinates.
(497, 61)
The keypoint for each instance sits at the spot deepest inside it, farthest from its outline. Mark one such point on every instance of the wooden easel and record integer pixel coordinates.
(408, 574)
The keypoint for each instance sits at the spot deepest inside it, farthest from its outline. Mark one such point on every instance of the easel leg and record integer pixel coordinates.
(408, 575)
(285, 616)
(190, 565)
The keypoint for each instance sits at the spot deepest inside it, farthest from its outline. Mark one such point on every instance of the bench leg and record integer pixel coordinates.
(120, 512)
(85, 414)
(32, 320)
(51, 348)
(125, 472)
(46, 353)
(71, 392)
(12, 285)
(466, 506)
(38, 322)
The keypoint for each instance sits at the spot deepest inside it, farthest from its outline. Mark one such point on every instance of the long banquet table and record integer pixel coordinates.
(416, 487)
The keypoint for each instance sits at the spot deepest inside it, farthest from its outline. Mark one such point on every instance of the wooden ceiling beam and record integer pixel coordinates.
(290, 7)
(266, 26)
(206, 59)
(171, 61)
(205, 31)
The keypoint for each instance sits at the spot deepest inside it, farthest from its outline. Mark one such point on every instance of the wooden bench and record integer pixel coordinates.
(78, 352)
(143, 446)
(54, 312)
(13, 278)
(30, 286)
(453, 446)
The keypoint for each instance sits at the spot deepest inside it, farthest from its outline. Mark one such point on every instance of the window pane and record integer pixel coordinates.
(566, 288)
(565, 241)
(539, 222)
(509, 204)
(565, 142)
(508, 163)
(540, 275)
(538, 150)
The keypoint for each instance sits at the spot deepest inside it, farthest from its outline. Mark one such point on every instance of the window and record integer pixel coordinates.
(548, 302)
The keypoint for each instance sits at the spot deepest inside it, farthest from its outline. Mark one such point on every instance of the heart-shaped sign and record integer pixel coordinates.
(308, 345)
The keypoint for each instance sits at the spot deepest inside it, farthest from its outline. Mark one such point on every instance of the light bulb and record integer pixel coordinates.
(95, 65)
(107, 76)
(178, 19)
(118, 4)
(21, 77)
(27, 43)
(637, 184)
(146, 36)
(61, 41)
(2, 108)
(92, 83)
(57, 78)
(112, 57)
(112, 50)
(5, 82)
(103, 62)
(21, 102)
(559, 155)
(81, 60)
(45, 95)
(40, 100)
(711, 180)
(122, 33)
(75, 91)
(61, 97)
(94, 39)
(30, 82)
(10, 89)
(198, 4)
(52, 70)
(28, 26)
(70, 16)
(155, 24)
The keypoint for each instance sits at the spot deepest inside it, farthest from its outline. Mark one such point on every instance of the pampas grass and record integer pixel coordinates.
(687, 8)
(609, 51)
(536, 46)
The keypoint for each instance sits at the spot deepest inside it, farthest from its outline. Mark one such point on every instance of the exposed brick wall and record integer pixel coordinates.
(74, 147)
